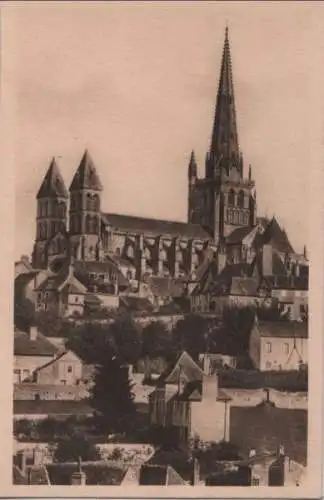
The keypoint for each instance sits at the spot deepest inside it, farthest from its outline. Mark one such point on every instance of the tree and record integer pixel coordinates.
(24, 313)
(91, 342)
(156, 339)
(112, 396)
(126, 337)
(75, 447)
(23, 428)
(272, 312)
(191, 334)
(238, 322)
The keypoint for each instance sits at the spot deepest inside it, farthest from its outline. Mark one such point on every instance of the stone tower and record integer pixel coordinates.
(224, 199)
(51, 219)
(85, 193)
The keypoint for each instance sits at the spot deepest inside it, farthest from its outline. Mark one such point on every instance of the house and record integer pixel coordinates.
(65, 369)
(183, 401)
(62, 294)
(31, 351)
(260, 431)
(280, 345)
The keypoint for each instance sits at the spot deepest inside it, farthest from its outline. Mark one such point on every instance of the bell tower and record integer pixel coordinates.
(85, 191)
(224, 199)
(52, 200)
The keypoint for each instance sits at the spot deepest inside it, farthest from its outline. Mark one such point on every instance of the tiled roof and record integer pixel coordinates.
(47, 407)
(97, 473)
(238, 235)
(53, 183)
(283, 329)
(159, 475)
(24, 346)
(291, 381)
(83, 268)
(136, 303)
(185, 366)
(265, 428)
(143, 225)
(166, 287)
(86, 176)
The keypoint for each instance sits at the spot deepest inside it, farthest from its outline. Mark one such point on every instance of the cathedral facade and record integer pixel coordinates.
(222, 223)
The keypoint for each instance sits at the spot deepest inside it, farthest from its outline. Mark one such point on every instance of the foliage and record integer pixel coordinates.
(156, 339)
(23, 428)
(209, 453)
(24, 314)
(238, 323)
(191, 334)
(75, 446)
(126, 337)
(112, 396)
(271, 312)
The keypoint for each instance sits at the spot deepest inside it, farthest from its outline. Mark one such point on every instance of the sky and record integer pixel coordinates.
(136, 84)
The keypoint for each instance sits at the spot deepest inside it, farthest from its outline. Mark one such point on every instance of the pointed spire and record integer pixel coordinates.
(192, 168)
(224, 140)
(86, 176)
(53, 184)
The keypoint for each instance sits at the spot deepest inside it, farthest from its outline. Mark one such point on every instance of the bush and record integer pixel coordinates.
(75, 447)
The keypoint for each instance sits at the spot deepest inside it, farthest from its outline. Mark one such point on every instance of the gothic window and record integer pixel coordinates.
(96, 203)
(240, 199)
(79, 202)
(89, 202)
(163, 255)
(45, 208)
(72, 206)
(95, 225)
(231, 198)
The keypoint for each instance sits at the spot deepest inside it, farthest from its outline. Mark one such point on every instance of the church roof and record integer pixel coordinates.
(53, 183)
(86, 176)
(147, 226)
(238, 235)
(277, 237)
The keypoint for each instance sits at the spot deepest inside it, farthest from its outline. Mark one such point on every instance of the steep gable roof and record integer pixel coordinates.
(53, 184)
(186, 367)
(277, 237)
(86, 176)
(24, 346)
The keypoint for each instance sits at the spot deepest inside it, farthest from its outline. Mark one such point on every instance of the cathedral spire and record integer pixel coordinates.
(224, 142)
(192, 167)
(53, 184)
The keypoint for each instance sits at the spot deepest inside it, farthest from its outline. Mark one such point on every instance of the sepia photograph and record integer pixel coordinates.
(162, 260)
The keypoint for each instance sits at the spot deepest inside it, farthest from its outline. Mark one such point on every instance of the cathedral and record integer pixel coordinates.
(222, 227)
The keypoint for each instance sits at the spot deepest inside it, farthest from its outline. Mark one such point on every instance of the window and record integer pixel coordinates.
(25, 374)
(129, 275)
(76, 299)
(16, 376)
(70, 369)
(268, 365)
(268, 347)
(63, 382)
(240, 199)
(231, 198)
(286, 348)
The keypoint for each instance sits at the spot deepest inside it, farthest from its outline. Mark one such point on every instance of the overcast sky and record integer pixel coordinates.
(136, 84)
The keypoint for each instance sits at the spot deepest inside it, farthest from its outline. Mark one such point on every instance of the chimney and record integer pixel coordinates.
(195, 472)
(33, 333)
(267, 260)
(206, 364)
(210, 387)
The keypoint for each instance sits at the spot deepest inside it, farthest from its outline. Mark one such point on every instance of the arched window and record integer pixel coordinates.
(163, 254)
(45, 208)
(95, 224)
(89, 202)
(72, 204)
(231, 198)
(240, 199)
(147, 254)
(95, 203)
(79, 201)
